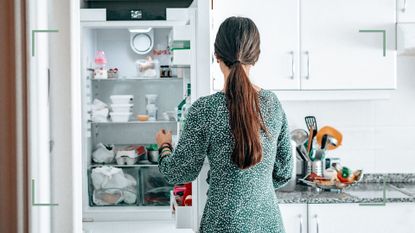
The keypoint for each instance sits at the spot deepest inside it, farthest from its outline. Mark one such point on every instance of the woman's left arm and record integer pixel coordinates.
(185, 163)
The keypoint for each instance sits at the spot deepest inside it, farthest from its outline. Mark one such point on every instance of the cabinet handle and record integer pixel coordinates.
(317, 226)
(404, 6)
(308, 65)
(300, 219)
(292, 65)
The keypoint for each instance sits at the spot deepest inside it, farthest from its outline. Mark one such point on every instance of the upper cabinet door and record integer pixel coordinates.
(278, 24)
(348, 44)
(406, 11)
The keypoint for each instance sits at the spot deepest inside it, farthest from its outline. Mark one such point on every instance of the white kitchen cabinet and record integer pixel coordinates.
(338, 55)
(318, 44)
(346, 218)
(406, 11)
(294, 217)
(278, 24)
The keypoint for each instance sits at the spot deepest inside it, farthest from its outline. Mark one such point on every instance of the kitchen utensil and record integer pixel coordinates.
(324, 142)
(302, 153)
(332, 133)
(311, 123)
(310, 141)
(319, 154)
(299, 136)
(332, 141)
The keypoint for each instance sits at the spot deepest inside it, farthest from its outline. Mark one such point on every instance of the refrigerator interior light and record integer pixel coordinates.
(142, 40)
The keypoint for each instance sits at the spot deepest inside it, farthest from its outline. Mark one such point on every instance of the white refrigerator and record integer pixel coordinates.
(147, 205)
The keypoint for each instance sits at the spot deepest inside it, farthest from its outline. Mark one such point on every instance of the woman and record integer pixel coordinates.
(243, 132)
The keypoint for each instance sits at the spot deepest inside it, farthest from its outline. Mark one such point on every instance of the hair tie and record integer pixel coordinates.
(236, 62)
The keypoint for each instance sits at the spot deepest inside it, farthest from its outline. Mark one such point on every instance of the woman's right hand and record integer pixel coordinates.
(163, 136)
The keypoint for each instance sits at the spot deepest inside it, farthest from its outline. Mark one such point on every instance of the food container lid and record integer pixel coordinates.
(121, 96)
(122, 105)
(121, 113)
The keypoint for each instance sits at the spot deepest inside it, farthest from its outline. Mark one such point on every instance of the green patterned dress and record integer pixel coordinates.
(238, 200)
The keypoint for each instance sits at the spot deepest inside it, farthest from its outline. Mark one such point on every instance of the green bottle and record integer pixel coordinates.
(183, 107)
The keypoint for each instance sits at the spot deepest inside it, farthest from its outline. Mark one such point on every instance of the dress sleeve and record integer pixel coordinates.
(284, 162)
(185, 163)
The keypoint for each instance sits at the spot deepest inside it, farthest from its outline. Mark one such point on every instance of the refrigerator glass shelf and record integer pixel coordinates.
(135, 122)
(125, 166)
(124, 79)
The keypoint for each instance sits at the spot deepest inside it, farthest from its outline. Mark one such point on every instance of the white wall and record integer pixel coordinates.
(378, 134)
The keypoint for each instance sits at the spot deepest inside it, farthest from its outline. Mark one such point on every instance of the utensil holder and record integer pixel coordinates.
(313, 166)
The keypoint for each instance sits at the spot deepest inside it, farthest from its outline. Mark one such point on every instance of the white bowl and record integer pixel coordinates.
(121, 107)
(120, 116)
(122, 99)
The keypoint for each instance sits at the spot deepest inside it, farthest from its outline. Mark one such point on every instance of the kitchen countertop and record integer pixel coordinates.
(398, 188)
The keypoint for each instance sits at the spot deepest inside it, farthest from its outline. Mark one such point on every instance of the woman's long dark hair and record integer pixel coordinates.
(237, 44)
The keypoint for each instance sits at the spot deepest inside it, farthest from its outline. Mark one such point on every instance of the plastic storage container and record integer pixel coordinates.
(126, 156)
(122, 99)
(148, 68)
(120, 116)
(121, 107)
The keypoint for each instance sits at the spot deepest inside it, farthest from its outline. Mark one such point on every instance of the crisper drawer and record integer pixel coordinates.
(127, 186)
(155, 191)
(111, 186)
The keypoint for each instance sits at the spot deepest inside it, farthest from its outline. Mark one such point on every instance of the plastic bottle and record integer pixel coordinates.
(183, 108)
(100, 71)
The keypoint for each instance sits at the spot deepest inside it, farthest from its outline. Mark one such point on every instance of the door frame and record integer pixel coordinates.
(14, 204)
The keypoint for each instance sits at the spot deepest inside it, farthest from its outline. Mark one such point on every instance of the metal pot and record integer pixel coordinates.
(153, 156)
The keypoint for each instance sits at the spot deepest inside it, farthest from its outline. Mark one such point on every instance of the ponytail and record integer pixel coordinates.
(245, 117)
(237, 44)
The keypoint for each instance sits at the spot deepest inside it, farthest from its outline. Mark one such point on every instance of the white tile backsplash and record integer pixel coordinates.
(395, 160)
(399, 138)
(378, 135)
(356, 158)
